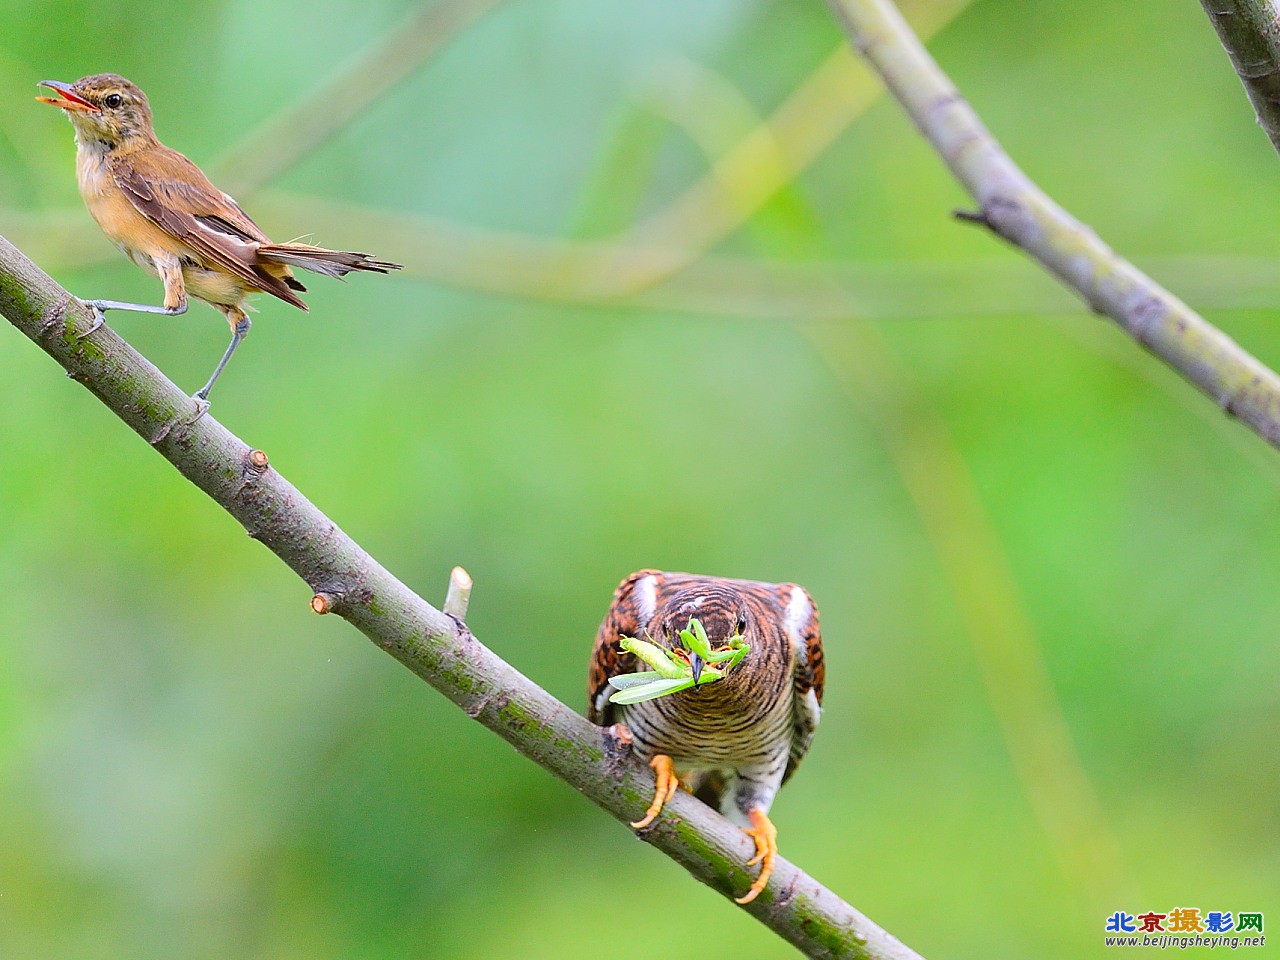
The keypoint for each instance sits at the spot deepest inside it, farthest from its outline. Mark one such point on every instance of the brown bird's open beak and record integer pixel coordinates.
(67, 98)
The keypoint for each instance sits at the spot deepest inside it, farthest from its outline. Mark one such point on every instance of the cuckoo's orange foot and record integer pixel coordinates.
(664, 790)
(765, 834)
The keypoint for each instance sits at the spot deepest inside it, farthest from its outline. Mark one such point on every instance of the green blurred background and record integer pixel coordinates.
(1046, 566)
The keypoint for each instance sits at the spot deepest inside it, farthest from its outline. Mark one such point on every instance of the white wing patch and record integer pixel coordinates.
(812, 708)
(799, 611)
(646, 599)
(808, 712)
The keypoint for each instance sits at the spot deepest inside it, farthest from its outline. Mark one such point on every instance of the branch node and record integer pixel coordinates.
(942, 101)
(1145, 314)
(783, 899)
(56, 315)
(322, 603)
(620, 734)
(459, 595)
(616, 742)
(251, 470)
(161, 433)
(1002, 215)
(972, 216)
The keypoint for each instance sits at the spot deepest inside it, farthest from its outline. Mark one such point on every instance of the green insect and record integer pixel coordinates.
(671, 675)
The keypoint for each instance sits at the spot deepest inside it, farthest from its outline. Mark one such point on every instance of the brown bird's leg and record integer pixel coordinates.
(175, 297)
(765, 834)
(239, 321)
(663, 791)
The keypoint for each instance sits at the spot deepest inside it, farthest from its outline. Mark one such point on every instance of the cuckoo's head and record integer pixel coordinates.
(105, 109)
(723, 612)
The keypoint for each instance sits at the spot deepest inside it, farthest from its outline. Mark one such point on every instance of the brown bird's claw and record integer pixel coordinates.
(99, 318)
(765, 834)
(664, 789)
(202, 407)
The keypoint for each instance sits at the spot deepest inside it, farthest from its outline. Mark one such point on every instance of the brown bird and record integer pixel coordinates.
(164, 214)
(733, 742)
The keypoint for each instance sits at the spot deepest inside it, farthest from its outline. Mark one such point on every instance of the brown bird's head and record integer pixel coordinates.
(106, 109)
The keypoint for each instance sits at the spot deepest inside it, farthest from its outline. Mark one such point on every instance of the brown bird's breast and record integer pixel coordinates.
(120, 220)
(142, 241)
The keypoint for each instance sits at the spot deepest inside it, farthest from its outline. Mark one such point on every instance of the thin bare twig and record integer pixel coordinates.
(1019, 211)
(459, 595)
(345, 580)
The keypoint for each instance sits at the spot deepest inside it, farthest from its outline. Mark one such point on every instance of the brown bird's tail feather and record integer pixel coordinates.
(331, 263)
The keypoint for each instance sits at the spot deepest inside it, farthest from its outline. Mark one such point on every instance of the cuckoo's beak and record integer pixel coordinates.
(696, 663)
(67, 98)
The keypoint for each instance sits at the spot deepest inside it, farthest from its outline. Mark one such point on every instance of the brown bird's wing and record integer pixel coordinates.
(633, 604)
(173, 193)
(800, 618)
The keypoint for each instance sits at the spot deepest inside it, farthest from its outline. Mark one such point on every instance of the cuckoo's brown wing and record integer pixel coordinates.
(173, 193)
(802, 628)
(632, 606)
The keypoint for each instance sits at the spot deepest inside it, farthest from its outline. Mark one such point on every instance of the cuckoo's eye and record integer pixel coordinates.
(112, 100)
(741, 626)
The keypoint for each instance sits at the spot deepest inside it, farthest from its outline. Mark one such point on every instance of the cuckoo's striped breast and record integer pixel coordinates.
(743, 720)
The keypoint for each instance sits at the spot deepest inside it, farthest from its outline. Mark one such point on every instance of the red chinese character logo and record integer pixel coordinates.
(1151, 921)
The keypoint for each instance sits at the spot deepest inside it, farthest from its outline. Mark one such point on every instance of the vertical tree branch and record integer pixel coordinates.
(1250, 32)
(1016, 209)
(436, 646)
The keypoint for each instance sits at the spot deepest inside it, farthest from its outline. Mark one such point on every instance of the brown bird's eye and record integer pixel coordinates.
(741, 627)
(112, 100)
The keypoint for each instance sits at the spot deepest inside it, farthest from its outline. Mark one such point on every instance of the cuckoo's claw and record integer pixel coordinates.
(765, 834)
(663, 791)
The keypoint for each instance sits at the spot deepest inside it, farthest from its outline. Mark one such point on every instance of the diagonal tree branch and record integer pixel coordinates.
(1016, 209)
(436, 646)
(1250, 32)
